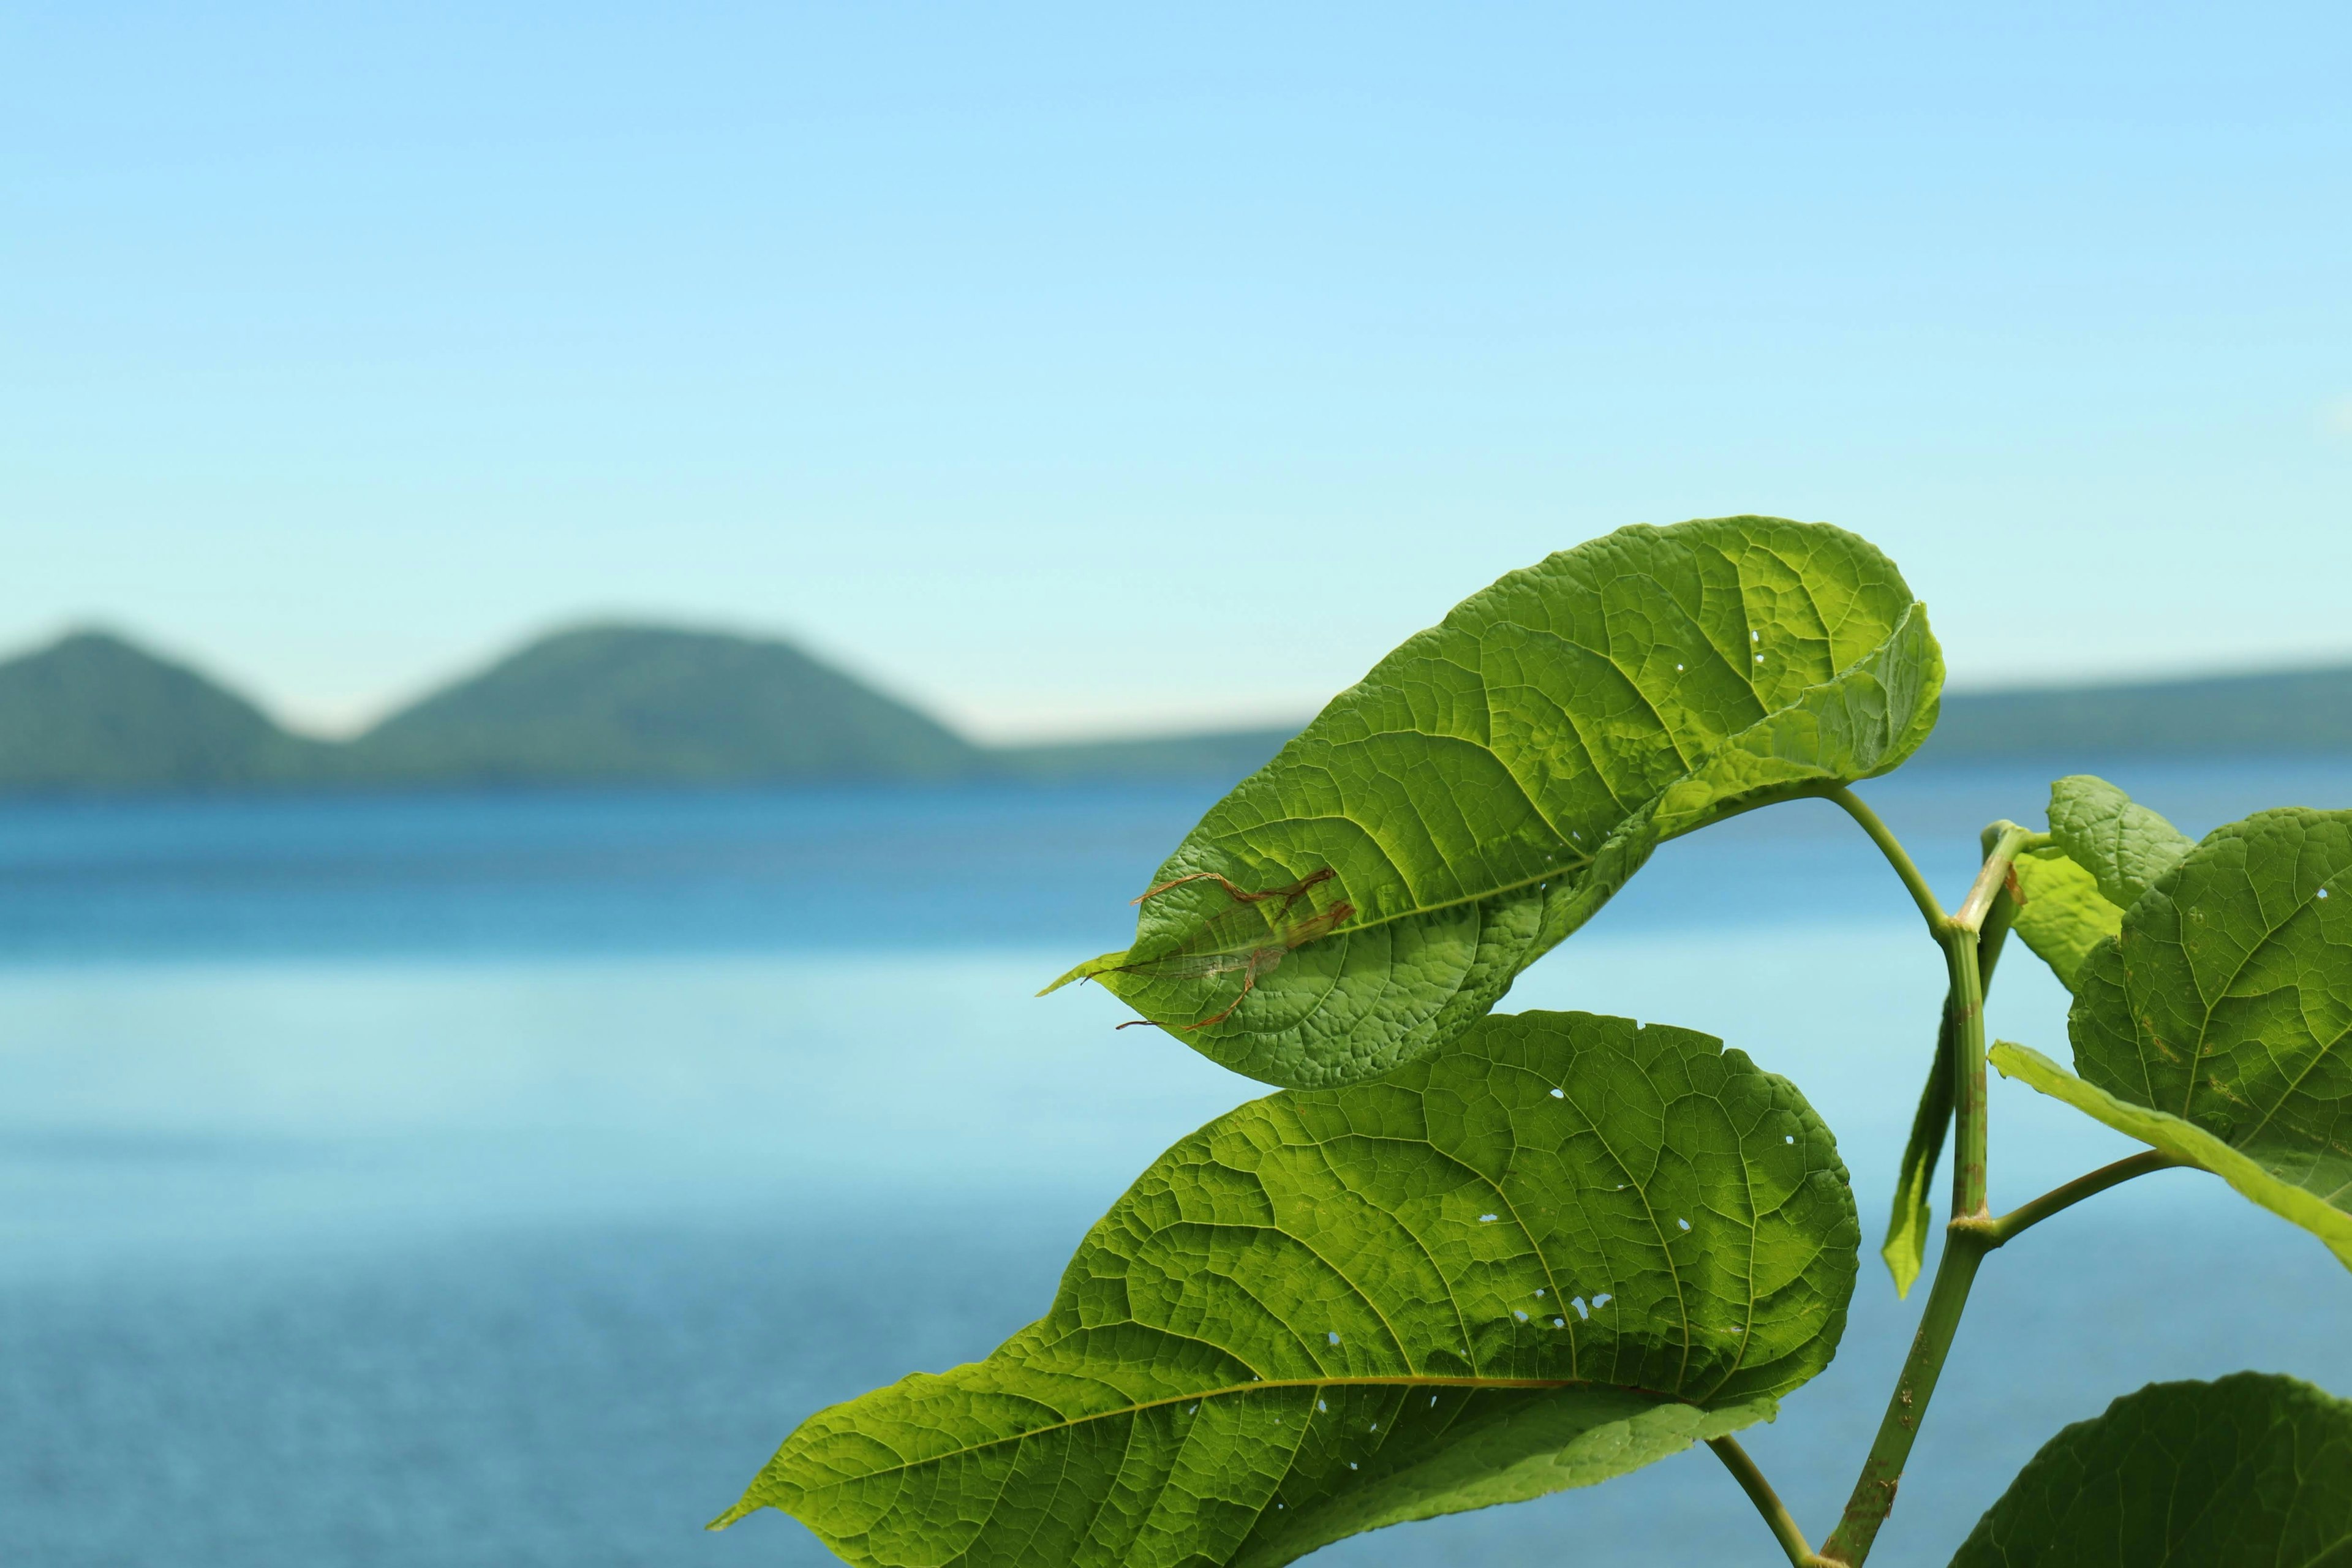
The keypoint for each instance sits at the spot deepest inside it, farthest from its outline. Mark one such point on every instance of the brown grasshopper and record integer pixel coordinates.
(1228, 943)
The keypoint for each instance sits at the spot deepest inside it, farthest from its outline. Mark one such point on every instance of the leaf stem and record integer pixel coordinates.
(2025, 1216)
(1768, 1501)
(1896, 856)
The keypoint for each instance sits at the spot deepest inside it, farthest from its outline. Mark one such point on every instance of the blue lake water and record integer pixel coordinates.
(452, 1181)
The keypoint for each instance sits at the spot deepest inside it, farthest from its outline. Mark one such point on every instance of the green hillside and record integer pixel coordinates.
(1217, 753)
(614, 704)
(647, 705)
(91, 712)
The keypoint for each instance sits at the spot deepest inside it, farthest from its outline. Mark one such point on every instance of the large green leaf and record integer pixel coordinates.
(2225, 1007)
(1567, 1247)
(2253, 1472)
(1375, 889)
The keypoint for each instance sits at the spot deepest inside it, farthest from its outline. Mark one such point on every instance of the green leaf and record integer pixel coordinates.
(2252, 1471)
(1374, 890)
(2126, 847)
(1911, 1221)
(2183, 1140)
(1567, 1247)
(2218, 1025)
(2064, 917)
(2107, 852)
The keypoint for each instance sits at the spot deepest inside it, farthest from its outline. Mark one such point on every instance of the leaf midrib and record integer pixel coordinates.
(2228, 991)
(1261, 1385)
(1574, 864)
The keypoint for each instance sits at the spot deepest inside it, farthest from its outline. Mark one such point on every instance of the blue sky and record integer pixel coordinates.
(1096, 368)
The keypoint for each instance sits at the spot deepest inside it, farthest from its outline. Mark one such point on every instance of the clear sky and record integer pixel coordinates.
(1120, 367)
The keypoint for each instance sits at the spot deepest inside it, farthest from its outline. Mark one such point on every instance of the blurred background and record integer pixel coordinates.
(595, 596)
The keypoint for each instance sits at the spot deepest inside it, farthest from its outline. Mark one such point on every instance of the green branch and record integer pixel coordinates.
(2025, 1216)
(1896, 856)
(1882, 1471)
(1964, 1005)
(1962, 937)
(1768, 1501)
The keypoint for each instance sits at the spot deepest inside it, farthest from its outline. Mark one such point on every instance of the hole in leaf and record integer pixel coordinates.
(1759, 658)
(1488, 1219)
(1321, 1406)
(1789, 1138)
(1352, 1464)
(2323, 892)
(1519, 1314)
(1682, 1222)
(1562, 1094)
(1754, 637)
(1581, 1310)
(1335, 1336)
(1538, 1293)
(1602, 1300)
(1560, 1323)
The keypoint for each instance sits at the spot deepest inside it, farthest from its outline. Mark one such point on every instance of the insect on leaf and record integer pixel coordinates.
(2253, 1469)
(1493, 782)
(1567, 1247)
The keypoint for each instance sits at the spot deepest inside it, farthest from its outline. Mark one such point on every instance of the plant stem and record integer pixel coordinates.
(1965, 1006)
(1897, 856)
(2004, 842)
(1768, 1501)
(2000, 918)
(2025, 1216)
(1882, 1472)
(1967, 1239)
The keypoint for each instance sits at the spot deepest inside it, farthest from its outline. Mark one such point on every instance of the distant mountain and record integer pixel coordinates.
(614, 704)
(2277, 713)
(1213, 753)
(93, 712)
(650, 705)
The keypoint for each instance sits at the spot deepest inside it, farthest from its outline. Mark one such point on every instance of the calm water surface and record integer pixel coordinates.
(453, 1182)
